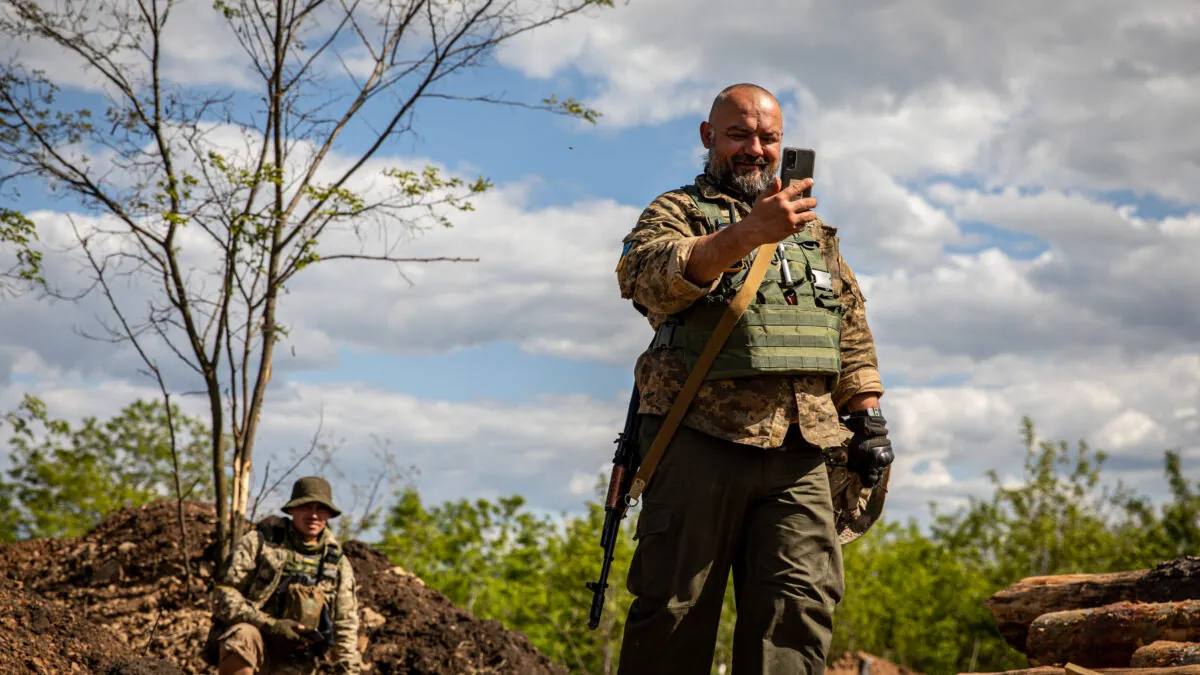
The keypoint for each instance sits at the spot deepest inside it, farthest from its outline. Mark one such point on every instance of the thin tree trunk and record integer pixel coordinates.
(243, 461)
(225, 532)
(183, 538)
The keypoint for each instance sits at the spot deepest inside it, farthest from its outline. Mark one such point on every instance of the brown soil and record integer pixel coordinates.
(851, 663)
(115, 601)
(429, 634)
(40, 637)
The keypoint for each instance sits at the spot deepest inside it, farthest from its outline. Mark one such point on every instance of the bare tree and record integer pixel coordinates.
(215, 236)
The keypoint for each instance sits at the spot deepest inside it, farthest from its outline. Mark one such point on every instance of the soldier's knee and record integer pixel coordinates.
(242, 649)
(233, 664)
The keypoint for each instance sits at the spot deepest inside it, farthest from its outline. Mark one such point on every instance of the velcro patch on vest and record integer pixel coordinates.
(823, 280)
(301, 564)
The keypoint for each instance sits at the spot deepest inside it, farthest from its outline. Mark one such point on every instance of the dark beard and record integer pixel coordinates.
(747, 187)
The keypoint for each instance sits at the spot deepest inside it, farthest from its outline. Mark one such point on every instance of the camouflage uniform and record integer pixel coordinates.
(724, 496)
(256, 568)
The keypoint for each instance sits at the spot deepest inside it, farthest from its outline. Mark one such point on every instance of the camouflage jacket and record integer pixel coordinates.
(756, 410)
(255, 571)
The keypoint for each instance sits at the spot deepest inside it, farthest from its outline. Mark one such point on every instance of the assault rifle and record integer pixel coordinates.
(625, 465)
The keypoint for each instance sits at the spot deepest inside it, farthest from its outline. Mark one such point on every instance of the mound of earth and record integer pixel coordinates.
(862, 663)
(40, 637)
(119, 602)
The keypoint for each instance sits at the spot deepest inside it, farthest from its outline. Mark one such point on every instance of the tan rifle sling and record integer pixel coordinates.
(733, 312)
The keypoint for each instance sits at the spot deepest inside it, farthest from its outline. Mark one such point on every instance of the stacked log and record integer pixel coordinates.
(1166, 653)
(1141, 622)
(1071, 669)
(1108, 636)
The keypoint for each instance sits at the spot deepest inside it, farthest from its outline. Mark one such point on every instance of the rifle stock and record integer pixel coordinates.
(625, 461)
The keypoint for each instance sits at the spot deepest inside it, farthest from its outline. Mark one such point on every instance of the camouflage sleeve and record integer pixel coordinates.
(656, 253)
(229, 602)
(345, 622)
(860, 366)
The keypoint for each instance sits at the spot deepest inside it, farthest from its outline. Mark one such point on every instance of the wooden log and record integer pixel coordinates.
(1170, 581)
(1109, 635)
(1166, 653)
(1058, 670)
(1016, 606)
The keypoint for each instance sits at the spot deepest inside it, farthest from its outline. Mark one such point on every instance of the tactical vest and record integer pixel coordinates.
(313, 569)
(772, 336)
(317, 572)
(300, 594)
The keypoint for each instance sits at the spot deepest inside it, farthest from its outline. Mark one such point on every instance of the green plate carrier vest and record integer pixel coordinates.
(772, 336)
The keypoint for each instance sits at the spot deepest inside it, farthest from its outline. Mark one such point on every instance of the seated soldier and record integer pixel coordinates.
(288, 595)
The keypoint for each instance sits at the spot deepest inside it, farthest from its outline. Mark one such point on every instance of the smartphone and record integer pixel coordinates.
(797, 164)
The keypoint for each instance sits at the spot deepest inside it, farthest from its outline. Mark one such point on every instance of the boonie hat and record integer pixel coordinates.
(312, 489)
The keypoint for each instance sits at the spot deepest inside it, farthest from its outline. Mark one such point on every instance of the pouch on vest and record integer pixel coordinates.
(303, 603)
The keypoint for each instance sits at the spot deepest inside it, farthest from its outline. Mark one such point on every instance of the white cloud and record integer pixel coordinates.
(544, 280)
(1108, 279)
(1071, 93)
(882, 225)
(945, 437)
(940, 129)
(551, 450)
(1130, 428)
(197, 47)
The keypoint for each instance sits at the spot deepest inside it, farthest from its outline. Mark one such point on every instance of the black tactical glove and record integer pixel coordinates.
(286, 631)
(870, 451)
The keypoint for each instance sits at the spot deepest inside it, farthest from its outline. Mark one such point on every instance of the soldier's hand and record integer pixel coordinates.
(778, 214)
(287, 630)
(870, 451)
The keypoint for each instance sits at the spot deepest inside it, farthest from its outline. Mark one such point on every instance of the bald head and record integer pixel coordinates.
(743, 95)
(743, 134)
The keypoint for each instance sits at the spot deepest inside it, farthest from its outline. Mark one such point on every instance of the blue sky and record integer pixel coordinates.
(1024, 227)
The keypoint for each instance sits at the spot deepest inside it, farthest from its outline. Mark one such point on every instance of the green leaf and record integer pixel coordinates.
(18, 230)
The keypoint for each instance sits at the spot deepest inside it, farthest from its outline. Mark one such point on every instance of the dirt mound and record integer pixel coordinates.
(40, 637)
(123, 587)
(426, 633)
(862, 663)
(127, 575)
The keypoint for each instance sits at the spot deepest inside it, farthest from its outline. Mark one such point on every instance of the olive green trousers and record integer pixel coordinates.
(712, 506)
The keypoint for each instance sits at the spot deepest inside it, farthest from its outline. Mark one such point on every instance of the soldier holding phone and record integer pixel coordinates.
(764, 476)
